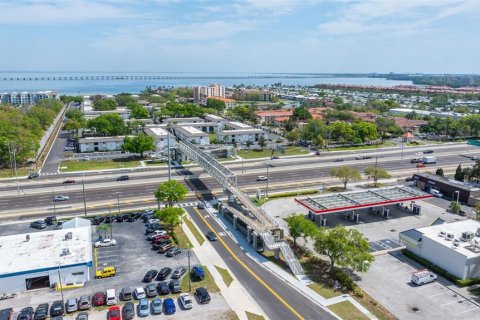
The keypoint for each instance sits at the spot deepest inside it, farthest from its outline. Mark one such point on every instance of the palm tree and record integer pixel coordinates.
(103, 227)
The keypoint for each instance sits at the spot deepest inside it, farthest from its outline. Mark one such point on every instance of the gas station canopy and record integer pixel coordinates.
(355, 200)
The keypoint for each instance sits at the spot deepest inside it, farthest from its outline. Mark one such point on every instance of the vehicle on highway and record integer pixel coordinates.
(41, 313)
(186, 301)
(197, 272)
(106, 243)
(98, 299)
(179, 272)
(114, 313)
(82, 316)
(163, 273)
(173, 252)
(68, 181)
(57, 309)
(175, 286)
(201, 205)
(163, 288)
(274, 158)
(105, 272)
(139, 293)
(61, 197)
(50, 220)
(143, 309)
(38, 224)
(421, 165)
(111, 295)
(26, 314)
(128, 311)
(262, 178)
(126, 294)
(317, 153)
(33, 175)
(422, 277)
(211, 236)
(416, 160)
(202, 295)
(84, 303)
(156, 306)
(150, 290)
(362, 157)
(169, 306)
(338, 160)
(427, 151)
(123, 178)
(150, 275)
(72, 305)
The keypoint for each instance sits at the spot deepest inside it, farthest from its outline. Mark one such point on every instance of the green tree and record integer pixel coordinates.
(104, 104)
(216, 104)
(377, 174)
(67, 99)
(439, 172)
(455, 207)
(248, 143)
(345, 174)
(344, 247)
(298, 227)
(108, 124)
(365, 131)
(261, 142)
(171, 216)
(103, 228)
(459, 176)
(43, 115)
(301, 113)
(387, 126)
(137, 111)
(342, 131)
(292, 136)
(75, 114)
(171, 192)
(123, 99)
(72, 125)
(138, 144)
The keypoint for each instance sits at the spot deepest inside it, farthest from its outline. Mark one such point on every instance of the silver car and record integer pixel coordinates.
(143, 310)
(72, 305)
(84, 303)
(157, 306)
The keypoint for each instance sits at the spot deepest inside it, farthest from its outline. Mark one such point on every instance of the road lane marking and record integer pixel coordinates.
(254, 275)
(439, 294)
(457, 314)
(456, 301)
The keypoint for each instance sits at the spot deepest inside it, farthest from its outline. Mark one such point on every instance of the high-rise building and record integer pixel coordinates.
(201, 94)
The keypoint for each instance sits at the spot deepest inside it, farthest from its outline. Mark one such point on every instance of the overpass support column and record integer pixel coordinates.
(276, 253)
(235, 222)
(249, 234)
(255, 241)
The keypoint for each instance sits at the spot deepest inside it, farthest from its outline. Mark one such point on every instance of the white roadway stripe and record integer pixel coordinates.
(456, 301)
(466, 311)
(439, 294)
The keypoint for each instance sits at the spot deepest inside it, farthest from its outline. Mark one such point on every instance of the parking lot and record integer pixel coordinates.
(388, 281)
(133, 257)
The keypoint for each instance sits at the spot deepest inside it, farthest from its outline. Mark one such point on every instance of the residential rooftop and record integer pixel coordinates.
(238, 125)
(157, 131)
(190, 131)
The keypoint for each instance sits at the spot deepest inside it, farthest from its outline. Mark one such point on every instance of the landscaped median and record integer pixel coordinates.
(207, 282)
(289, 151)
(81, 165)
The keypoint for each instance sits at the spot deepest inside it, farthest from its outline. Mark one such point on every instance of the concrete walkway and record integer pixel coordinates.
(235, 294)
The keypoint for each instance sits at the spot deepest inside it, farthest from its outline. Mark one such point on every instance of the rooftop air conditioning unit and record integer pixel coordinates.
(467, 236)
(68, 236)
(27, 238)
(450, 236)
(442, 234)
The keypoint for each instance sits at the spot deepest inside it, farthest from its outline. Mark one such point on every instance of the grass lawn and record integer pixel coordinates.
(232, 316)
(347, 311)
(181, 238)
(7, 173)
(323, 290)
(207, 282)
(194, 230)
(227, 278)
(70, 166)
(156, 163)
(212, 137)
(374, 146)
(253, 316)
(289, 151)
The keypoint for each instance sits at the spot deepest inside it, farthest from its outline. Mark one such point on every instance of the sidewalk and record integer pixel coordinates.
(284, 275)
(236, 295)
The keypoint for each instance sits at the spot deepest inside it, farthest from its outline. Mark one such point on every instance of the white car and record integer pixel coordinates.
(106, 243)
(186, 301)
(61, 197)
(139, 293)
(153, 220)
(262, 178)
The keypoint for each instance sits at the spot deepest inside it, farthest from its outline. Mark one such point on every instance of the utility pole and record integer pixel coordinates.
(54, 209)
(189, 270)
(60, 281)
(168, 151)
(84, 201)
(266, 190)
(118, 202)
(15, 166)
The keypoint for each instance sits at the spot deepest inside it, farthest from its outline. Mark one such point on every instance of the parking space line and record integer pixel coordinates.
(457, 314)
(456, 301)
(439, 294)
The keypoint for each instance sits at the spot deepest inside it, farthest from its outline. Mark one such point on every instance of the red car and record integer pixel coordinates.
(160, 236)
(421, 165)
(98, 299)
(114, 313)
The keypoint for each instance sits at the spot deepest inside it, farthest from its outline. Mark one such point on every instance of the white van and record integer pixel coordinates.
(422, 277)
(436, 193)
(111, 297)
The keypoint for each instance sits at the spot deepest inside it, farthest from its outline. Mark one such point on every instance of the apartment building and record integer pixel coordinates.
(27, 98)
(202, 93)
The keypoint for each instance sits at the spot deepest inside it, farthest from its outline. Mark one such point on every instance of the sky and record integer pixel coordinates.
(317, 36)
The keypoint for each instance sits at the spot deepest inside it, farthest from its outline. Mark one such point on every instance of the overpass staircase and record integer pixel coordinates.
(259, 220)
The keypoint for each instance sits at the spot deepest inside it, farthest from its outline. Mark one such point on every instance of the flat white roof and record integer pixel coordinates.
(213, 117)
(192, 130)
(45, 249)
(157, 131)
(238, 125)
(455, 228)
(241, 131)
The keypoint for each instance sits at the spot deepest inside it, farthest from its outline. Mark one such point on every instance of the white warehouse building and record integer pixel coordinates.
(454, 247)
(43, 259)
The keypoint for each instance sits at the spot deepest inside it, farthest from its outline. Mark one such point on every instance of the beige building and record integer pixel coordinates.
(201, 94)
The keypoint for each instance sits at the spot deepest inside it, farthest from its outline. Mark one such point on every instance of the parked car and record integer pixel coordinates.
(156, 233)
(130, 218)
(57, 309)
(98, 299)
(128, 311)
(162, 248)
(50, 220)
(409, 179)
(41, 313)
(68, 181)
(38, 224)
(119, 218)
(84, 303)
(163, 288)
(150, 275)
(202, 295)
(143, 309)
(105, 272)
(106, 243)
(175, 286)
(164, 273)
(114, 313)
(186, 301)
(153, 227)
(126, 294)
(422, 277)
(26, 314)
(159, 237)
(211, 236)
(317, 153)
(111, 295)
(59, 225)
(123, 178)
(173, 252)
(262, 178)
(154, 220)
(156, 306)
(197, 272)
(72, 305)
(82, 316)
(169, 306)
(150, 290)
(61, 197)
(139, 293)
(110, 219)
(179, 272)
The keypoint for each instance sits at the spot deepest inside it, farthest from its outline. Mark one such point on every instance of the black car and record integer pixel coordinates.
(119, 219)
(154, 227)
(51, 220)
(427, 151)
(175, 286)
(211, 236)
(162, 288)
(57, 309)
(150, 290)
(150, 275)
(164, 273)
(125, 216)
(130, 218)
(409, 179)
(128, 311)
(41, 313)
(39, 224)
(33, 175)
(338, 160)
(202, 295)
(110, 219)
(26, 314)
(137, 215)
(123, 178)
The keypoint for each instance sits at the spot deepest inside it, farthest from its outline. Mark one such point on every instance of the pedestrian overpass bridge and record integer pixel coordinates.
(259, 223)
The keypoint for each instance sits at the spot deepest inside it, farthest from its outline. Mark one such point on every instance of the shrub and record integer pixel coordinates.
(344, 279)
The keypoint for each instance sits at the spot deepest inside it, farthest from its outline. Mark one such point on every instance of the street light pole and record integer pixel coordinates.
(168, 151)
(189, 271)
(84, 201)
(118, 202)
(54, 209)
(266, 190)
(60, 281)
(15, 166)
(363, 270)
